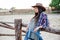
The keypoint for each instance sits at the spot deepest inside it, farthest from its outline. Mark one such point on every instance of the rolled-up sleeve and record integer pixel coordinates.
(45, 22)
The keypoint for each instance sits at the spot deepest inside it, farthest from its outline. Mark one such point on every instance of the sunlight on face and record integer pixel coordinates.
(35, 9)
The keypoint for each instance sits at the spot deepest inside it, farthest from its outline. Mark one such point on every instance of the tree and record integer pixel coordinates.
(56, 4)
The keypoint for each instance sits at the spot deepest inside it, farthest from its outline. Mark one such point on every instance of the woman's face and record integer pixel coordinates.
(35, 9)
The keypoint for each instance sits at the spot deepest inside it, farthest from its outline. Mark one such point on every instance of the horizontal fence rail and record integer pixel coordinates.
(7, 22)
(10, 34)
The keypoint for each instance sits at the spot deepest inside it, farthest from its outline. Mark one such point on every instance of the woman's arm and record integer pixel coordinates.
(37, 28)
(43, 23)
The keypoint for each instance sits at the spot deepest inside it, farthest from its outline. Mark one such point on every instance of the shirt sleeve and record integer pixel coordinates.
(45, 22)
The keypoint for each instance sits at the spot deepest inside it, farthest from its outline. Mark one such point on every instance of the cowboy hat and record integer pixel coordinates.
(39, 5)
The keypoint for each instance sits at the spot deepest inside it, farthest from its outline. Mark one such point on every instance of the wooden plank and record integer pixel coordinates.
(24, 25)
(7, 34)
(24, 31)
(18, 29)
(9, 27)
(10, 34)
(5, 24)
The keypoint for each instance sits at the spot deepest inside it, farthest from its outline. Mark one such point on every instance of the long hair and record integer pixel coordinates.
(37, 15)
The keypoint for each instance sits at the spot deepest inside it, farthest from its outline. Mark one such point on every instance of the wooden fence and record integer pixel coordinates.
(18, 28)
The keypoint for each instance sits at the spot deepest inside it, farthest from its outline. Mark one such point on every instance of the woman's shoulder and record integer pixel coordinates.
(44, 14)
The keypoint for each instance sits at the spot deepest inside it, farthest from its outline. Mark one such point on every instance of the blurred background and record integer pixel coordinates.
(21, 9)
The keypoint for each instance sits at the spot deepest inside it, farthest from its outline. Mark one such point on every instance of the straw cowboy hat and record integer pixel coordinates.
(39, 5)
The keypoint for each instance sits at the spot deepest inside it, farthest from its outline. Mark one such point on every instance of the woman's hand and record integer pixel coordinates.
(37, 28)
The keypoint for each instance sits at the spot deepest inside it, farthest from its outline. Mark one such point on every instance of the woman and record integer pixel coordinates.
(37, 22)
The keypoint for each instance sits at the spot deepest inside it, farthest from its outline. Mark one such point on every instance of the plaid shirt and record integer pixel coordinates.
(43, 20)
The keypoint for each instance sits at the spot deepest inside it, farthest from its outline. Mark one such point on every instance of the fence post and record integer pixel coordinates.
(18, 29)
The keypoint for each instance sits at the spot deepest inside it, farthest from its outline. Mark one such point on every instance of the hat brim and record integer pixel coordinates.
(43, 8)
(35, 6)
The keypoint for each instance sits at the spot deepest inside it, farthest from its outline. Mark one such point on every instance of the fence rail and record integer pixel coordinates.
(7, 22)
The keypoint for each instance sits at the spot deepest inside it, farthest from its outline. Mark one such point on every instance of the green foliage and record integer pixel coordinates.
(56, 4)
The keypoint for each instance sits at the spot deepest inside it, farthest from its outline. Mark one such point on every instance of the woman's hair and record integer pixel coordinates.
(37, 15)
